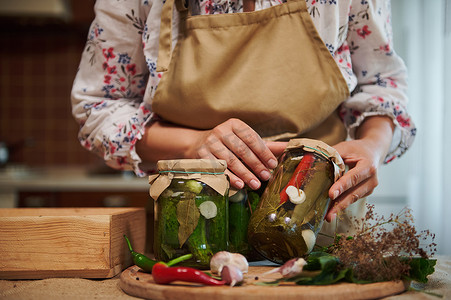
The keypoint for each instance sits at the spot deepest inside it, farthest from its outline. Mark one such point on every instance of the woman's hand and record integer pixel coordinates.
(363, 156)
(249, 159)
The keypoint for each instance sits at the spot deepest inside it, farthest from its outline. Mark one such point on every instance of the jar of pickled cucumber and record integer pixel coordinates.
(241, 205)
(293, 206)
(191, 209)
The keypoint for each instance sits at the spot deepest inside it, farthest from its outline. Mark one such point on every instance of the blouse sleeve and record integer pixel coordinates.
(107, 94)
(381, 74)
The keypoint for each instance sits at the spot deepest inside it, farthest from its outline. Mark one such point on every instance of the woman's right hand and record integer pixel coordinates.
(249, 158)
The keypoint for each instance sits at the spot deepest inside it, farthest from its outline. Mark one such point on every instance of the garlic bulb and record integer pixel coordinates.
(224, 258)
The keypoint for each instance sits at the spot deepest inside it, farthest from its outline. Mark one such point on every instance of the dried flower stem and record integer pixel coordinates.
(374, 252)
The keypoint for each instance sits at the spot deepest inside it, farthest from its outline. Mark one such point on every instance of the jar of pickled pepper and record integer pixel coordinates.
(191, 209)
(293, 206)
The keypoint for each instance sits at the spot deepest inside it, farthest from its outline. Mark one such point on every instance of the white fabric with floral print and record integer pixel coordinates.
(114, 86)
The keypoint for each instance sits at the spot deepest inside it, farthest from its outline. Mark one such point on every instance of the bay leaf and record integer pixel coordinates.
(188, 216)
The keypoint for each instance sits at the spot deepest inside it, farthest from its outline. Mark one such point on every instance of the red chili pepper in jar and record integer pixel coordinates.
(163, 274)
(299, 175)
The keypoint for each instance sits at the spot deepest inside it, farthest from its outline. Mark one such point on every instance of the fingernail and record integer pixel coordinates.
(264, 175)
(335, 195)
(239, 184)
(272, 163)
(254, 184)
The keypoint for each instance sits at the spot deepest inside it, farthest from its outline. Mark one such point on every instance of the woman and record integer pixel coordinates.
(352, 87)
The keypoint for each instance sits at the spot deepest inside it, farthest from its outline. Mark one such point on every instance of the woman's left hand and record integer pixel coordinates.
(363, 156)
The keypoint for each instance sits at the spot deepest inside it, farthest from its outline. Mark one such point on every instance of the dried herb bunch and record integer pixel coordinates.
(381, 249)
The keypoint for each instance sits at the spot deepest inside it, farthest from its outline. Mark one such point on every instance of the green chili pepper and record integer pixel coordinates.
(147, 264)
(139, 259)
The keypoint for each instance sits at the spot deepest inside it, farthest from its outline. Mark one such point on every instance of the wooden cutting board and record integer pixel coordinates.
(139, 284)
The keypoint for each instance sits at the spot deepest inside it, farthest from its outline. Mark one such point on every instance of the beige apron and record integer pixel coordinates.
(268, 68)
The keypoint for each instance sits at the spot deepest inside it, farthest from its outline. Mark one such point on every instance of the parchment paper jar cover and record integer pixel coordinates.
(293, 206)
(191, 209)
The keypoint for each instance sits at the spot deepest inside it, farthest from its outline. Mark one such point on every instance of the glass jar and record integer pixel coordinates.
(191, 210)
(241, 206)
(293, 206)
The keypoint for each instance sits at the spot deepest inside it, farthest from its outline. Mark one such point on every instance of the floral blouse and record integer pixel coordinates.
(116, 80)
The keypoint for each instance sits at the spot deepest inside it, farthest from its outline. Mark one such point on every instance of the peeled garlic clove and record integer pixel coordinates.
(309, 239)
(297, 196)
(231, 275)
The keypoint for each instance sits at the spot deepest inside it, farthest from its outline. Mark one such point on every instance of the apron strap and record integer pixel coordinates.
(165, 40)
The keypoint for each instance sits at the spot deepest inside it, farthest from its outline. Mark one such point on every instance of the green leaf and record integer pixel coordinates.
(188, 217)
(329, 271)
(420, 268)
(313, 260)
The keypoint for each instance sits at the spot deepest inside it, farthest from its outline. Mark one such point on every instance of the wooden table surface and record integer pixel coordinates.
(77, 288)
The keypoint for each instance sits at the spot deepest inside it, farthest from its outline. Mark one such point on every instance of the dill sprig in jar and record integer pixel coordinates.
(191, 209)
(293, 206)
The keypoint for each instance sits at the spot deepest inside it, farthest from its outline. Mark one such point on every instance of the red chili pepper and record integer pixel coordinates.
(163, 274)
(299, 175)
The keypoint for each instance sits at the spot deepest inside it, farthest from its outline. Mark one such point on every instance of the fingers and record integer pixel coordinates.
(239, 173)
(277, 148)
(235, 181)
(247, 156)
(349, 197)
(253, 142)
(361, 172)
(358, 183)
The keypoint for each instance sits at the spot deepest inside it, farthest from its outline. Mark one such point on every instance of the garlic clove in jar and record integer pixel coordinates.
(208, 209)
(309, 239)
(296, 196)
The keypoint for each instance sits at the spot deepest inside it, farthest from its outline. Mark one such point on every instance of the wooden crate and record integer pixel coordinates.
(68, 242)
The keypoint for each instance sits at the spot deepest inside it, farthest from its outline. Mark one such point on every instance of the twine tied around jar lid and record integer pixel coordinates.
(208, 171)
(323, 149)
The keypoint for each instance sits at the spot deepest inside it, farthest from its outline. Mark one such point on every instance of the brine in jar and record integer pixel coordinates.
(293, 206)
(191, 210)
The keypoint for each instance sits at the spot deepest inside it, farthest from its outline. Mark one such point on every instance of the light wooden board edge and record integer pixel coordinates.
(146, 288)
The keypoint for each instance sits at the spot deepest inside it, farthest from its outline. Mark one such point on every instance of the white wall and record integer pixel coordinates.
(446, 213)
(421, 179)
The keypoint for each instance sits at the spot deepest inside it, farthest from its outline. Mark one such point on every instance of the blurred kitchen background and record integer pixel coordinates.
(42, 163)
